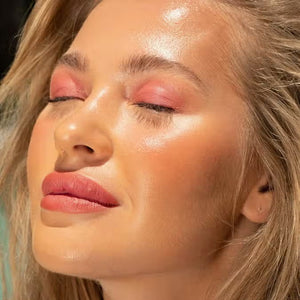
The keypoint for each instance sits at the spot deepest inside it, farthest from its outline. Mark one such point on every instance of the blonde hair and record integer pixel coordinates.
(267, 65)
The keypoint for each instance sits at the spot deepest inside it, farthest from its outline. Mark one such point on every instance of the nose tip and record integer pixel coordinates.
(80, 145)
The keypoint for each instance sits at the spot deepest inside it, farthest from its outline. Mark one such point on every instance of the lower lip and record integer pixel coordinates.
(71, 205)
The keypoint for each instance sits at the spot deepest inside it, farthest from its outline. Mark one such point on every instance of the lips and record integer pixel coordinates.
(78, 186)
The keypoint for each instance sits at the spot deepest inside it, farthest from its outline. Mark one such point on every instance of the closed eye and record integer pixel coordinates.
(64, 98)
(156, 107)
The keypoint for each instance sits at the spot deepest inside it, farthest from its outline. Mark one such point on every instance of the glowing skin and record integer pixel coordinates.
(173, 172)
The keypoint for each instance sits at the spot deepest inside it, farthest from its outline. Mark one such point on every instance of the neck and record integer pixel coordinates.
(189, 284)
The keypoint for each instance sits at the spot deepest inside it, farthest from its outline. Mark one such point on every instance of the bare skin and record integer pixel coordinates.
(173, 172)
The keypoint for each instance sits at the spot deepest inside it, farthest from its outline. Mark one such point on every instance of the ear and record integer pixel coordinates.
(258, 203)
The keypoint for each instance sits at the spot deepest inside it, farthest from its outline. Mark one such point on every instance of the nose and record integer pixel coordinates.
(81, 142)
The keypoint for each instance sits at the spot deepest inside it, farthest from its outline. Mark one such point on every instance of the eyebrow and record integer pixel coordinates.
(74, 61)
(133, 64)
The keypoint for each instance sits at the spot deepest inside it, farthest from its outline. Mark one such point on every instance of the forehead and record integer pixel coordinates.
(194, 32)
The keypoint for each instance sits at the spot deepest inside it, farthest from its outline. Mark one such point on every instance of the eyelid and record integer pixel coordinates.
(156, 91)
(64, 82)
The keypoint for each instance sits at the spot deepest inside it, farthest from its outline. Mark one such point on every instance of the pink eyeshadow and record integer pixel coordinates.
(64, 84)
(158, 92)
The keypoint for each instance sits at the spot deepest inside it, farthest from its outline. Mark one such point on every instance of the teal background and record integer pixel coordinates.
(4, 247)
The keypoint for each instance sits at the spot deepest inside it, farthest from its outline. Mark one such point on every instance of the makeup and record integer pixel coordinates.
(154, 120)
(64, 82)
(159, 93)
(74, 193)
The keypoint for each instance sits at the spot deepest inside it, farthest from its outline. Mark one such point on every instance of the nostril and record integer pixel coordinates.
(90, 150)
(84, 147)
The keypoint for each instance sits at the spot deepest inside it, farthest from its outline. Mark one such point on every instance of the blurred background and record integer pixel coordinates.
(13, 14)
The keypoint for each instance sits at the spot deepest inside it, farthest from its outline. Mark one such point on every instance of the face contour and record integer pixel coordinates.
(170, 163)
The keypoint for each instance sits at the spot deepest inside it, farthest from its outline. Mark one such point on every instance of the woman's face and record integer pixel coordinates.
(153, 119)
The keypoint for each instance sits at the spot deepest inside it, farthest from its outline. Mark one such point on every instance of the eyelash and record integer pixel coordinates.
(155, 115)
(152, 114)
(63, 98)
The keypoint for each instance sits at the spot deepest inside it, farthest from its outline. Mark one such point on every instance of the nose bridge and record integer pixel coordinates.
(82, 138)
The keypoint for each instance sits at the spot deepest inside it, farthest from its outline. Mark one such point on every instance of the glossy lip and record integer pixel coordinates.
(75, 185)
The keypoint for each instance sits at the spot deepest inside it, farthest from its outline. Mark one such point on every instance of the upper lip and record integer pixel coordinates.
(76, 185)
